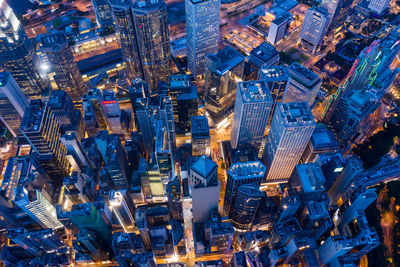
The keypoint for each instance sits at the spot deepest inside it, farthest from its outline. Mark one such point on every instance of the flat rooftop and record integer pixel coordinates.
(254, 91)
(247, 169)
(302, 75)
(199, 124)
(225, 59)
(265, 52)
(274, 73)
(296, 114)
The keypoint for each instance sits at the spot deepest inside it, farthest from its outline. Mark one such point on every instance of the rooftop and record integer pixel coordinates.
(274, 73)
(264, 52)
(311, 176)
(148, 5)
(303, 75)
(199, 124)
(204, 166)
(288, 227)
(225, 59)
(51, 39)
(254, 91)
(33, 116)
(323, 138)
(296, 114)
(179, 81)
(247, 169)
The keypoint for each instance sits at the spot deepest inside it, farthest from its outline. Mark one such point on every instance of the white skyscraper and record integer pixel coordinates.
(36, 206)
(202, 32)
(378, 6)
(12, 103)
(291, 129)
(315, 25)
(252, 107)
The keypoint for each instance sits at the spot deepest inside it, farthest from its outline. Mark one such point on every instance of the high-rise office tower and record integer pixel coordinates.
(303, 86)
(163, 153)
(145, 125)
(322, 141)
(123, 209)
(339, 10)
(313, 30)
(37, 206)
(13, 103)
(125, 28)
(152, 36)
(252, 107)
(43, 131)
(291, 129)
(378, 6)
(200, 136)
(263, 55)
(277, 79)
(67, 115)
(115, 161)
(372, 65)
(187, 106)
(246, 205)
(17, 54)
(76, 153)
(223, 70)
(241, 173)
(62, 63)
(202, 32)
(103, 12)
(352, 109)
(168, 116)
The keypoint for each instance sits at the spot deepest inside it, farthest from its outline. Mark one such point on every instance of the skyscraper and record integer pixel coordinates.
(241, 173)
(277, 79)
(62, 63)
(246, 205)
(112, 111)
(66, 114)
(313, 30)
(204, 188)
(125, 27)
(123, 209)
(17, 54)
(202, 32)
(252, 107)
(303, 86)
(152, 36)
(223, 70)
(115, 160)
(378, 6)
(339, 10)
(43, 131)
(200, 136)
(352, 109)
(103, 12)
(13, 103)
(291, 129)
(37, 206)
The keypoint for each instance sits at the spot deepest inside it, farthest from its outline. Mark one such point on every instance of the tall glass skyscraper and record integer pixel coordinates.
(43, 131)
(12, 103)
(152, 36)
(291, 129)
(252, 107)
(17, 53)
(242, 173)
(67, 75)
(124, 25)
(102, 10)
(202, 32)
(313, 29)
